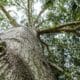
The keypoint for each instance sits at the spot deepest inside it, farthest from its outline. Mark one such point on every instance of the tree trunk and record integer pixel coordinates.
(22, 58)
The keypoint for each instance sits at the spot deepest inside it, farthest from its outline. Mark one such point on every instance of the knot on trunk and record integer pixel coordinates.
(2, 48)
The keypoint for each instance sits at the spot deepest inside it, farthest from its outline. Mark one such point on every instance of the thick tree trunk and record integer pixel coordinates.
(22, 58)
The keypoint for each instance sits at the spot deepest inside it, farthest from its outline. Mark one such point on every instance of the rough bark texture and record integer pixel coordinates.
(23, 59)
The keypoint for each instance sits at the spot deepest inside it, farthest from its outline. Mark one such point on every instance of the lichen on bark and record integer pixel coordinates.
(23, 59)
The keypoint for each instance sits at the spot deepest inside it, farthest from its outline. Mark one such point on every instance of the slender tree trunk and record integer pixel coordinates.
(22, 58)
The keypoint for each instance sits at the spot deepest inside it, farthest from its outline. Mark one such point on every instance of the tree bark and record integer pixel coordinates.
(23, 59)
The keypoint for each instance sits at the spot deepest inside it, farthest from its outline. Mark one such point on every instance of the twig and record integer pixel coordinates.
(56, 66)
(30, 20)
(46, 45)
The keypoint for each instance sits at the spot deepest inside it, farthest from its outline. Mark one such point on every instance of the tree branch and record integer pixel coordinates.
(23, 6)
(12, 21)
(39, 15)
(56, 66)
(60, 28)
(30, 20)
(46, 45)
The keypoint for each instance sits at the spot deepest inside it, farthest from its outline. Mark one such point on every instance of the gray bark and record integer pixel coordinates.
(22, 58)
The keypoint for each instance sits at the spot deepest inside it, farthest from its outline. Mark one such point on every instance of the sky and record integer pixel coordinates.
(18, 14)
(37, 7)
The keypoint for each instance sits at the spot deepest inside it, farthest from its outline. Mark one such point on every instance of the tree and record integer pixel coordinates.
(21, 47)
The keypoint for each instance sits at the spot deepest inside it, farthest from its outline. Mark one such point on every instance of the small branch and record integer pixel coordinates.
(12, 21)
(39, 15)
(60, 28)
(22, 1)
(50, 63)
(56, 66)
(45, 6)
(45, 44)
(18, 4)
(30, 20)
